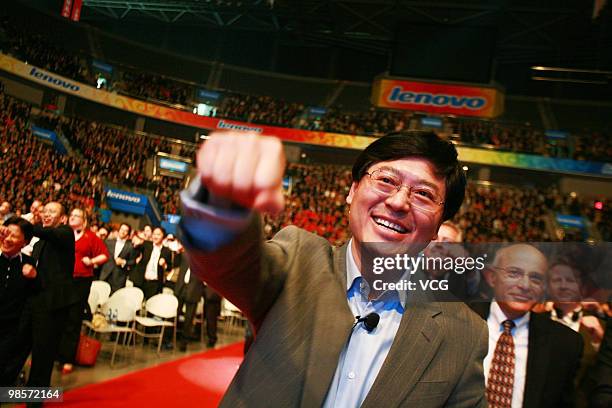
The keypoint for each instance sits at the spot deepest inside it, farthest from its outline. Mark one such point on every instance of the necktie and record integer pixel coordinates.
(501, 374)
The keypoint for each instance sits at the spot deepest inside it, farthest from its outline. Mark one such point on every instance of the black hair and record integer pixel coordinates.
(422, 144)
(127, 225)
(26, 228)
(161, 229)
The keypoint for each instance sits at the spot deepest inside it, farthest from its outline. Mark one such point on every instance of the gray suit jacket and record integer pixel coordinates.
(293, 290)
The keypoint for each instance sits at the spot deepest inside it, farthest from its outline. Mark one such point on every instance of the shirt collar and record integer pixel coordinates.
(354, 280)
(499, 317)
(18, 254)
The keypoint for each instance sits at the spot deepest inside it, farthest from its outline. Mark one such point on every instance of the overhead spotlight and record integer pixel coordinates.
(465, 168)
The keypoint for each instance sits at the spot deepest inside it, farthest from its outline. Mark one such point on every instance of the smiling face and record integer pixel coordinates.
(518, 279)
(14, 241)
(53, 215)
(563, 285)
(157, 236)
(124, 231)
(374, 217)
(5, 208)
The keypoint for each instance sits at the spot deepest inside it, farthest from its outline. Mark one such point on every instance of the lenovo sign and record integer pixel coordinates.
(439, 98)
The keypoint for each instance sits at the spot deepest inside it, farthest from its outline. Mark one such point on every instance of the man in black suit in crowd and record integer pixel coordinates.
(46, 312)
(188, 289)
(17, 283)
(156, 260)
(122, 259)
(545, 355)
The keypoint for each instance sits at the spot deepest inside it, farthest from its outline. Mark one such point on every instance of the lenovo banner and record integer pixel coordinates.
(126, 201)
(437, 98)
(76, 10)
(67, 8)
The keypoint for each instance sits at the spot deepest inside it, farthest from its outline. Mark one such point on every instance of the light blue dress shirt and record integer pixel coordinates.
(365, 352)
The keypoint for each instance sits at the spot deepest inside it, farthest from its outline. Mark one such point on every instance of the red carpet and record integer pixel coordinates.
(195, 381)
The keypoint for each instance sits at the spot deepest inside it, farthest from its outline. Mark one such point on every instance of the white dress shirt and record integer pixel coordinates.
(520, 335)
(119, 244)
(28, 249)
(187, 275)
(151, 271)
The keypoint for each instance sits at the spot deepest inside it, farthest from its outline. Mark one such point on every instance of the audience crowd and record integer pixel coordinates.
(112, 155)
(37, 50)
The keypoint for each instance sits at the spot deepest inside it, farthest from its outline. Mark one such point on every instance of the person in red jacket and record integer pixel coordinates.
(90, 252)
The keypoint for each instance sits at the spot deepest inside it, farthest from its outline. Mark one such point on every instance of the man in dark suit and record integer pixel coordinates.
(46, 312)
(189, 290)
(156, 260)
(122, 258)
(544, 355)
(302, 294)
(17, 283)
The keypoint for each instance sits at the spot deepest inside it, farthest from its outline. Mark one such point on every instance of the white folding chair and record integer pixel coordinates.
(162, 306)
(92, 301)
(134, 294)
(233, 317)
(102, 290)
(122, 306)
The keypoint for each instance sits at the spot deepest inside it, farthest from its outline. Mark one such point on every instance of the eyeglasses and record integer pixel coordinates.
(421, 197)
(517, 274)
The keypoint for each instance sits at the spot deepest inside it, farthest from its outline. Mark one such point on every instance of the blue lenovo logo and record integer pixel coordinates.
(53, 80)
(424, 98)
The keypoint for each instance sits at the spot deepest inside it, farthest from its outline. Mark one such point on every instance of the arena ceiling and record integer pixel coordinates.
(526, 28)
(574, 33)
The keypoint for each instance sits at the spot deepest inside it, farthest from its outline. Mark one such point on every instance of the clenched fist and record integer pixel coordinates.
(28, 271)
(245, 168)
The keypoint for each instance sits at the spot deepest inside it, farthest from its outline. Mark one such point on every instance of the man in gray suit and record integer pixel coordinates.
(123, 257)
(302, 295)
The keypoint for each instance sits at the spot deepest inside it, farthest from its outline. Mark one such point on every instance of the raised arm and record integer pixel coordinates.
(240, 176)
(61, 235)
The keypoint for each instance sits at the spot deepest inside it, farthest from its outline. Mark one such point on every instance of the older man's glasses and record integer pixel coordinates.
(512, 274)
(386, 184)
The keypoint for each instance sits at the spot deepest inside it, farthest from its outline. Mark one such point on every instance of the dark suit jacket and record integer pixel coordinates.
(14, 287)
(553, 358)
(113, 273)
(601, 393)
(191, 292)
(54, 255)
(293, 290)
(140, 268)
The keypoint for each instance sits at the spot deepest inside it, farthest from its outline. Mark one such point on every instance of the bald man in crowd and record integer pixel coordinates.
(532, 360)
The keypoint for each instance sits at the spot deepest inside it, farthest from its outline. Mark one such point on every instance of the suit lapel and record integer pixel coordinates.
(416, 343)
(125, 250)
(333, 322)
(538, 358)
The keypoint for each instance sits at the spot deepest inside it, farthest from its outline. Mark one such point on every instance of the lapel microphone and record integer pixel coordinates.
(369, 321)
